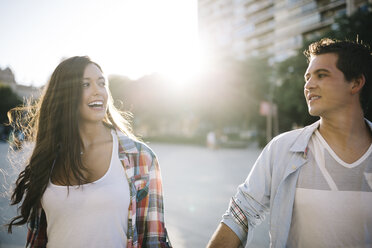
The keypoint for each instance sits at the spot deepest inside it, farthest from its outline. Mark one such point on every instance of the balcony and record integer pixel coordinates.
(261, 16)
(261, 30)
(320, 25)
(258, 5)
(261, 43)
(328, 5)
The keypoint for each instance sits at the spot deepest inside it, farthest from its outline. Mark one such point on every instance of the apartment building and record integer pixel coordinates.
(269, 28)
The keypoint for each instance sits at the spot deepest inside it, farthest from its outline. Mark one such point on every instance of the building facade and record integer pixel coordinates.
(24, 92)
(268, 28)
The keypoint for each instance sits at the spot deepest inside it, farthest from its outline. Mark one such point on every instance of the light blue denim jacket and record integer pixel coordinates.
(271, 186)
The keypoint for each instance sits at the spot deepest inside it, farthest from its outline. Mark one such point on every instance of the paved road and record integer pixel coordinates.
(197, 183)
(7, 177)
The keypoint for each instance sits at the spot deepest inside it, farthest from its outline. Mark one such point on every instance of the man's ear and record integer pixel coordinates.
(357, 84)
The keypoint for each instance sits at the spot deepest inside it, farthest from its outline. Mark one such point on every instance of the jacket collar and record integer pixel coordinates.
(301, 143)
(126, 144)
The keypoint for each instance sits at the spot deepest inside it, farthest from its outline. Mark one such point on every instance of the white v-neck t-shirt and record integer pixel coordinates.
(92, 215)
(333, 201)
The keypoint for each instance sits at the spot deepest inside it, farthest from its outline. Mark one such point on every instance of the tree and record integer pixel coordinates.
(289, 94)
(9, 100)
(357, 26)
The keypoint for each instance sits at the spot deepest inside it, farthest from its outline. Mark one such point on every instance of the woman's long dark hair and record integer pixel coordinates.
(52, 124)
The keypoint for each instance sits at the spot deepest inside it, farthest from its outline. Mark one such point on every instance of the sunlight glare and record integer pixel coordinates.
(159, 38)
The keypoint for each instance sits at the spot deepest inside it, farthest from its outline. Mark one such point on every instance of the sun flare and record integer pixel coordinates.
(161, 38)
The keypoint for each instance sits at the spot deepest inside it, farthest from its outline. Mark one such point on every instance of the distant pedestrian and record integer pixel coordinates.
(89, 181)
(316, 181)
(212, 140)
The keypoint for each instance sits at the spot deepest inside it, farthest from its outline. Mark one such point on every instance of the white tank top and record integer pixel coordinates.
(92, 215)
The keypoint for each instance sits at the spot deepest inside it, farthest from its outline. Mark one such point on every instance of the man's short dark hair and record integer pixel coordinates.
(354, 60)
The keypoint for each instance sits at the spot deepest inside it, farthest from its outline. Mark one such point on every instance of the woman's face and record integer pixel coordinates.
(93, 104)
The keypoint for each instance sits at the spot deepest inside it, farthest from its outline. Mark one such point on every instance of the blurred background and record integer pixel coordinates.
(208, 82)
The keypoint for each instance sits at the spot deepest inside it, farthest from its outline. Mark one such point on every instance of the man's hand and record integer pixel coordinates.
(224, 237)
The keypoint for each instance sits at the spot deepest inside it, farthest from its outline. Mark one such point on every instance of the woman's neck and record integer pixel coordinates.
(92, 133)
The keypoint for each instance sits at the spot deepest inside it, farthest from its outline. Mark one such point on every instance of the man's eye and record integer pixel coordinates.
(321, 75)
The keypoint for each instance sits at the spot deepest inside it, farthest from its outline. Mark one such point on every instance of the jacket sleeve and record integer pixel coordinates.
(251, 202)
(36, 235)
(155, 234)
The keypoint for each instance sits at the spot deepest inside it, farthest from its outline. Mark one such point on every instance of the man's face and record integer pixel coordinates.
(326, 90)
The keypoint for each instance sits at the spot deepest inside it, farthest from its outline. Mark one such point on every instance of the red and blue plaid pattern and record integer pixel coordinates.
(238, 215)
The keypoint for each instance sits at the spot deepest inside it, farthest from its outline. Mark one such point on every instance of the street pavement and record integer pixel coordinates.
(197, 182)
(8, 175)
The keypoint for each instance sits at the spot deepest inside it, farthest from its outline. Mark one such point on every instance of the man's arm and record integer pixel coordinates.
(224, 237)
(248, 207)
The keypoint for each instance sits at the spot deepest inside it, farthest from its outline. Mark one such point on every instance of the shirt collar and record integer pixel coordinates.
(369, 123)
(300, 144)
(126, 144)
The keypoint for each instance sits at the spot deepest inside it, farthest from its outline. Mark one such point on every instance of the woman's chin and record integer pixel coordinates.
(92, 119)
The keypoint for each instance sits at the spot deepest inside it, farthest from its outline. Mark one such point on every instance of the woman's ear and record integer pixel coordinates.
(357, 84)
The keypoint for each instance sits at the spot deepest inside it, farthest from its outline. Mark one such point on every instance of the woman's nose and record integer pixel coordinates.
(95, 89)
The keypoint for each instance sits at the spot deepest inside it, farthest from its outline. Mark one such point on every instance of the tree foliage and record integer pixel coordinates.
(289, 94)
(8, 101)
(357, 26)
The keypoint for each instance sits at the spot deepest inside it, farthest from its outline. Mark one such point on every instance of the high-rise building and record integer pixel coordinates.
(269, 28)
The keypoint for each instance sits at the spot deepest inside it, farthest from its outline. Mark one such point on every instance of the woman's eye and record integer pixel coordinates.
(102, 83)
(85, 84)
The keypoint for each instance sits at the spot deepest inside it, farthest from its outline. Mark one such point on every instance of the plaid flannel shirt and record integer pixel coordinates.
(146, 200)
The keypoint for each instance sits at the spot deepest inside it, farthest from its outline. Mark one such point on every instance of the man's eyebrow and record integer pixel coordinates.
(321, 70)
(316, 72)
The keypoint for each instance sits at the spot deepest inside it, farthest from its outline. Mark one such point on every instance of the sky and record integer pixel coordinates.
(126, 37)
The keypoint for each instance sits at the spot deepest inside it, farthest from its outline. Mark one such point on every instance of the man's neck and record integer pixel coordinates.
(348, 136)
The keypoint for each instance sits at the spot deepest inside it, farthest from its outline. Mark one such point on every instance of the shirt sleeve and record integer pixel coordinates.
(251, 202)
(36, 235)
(155, 232)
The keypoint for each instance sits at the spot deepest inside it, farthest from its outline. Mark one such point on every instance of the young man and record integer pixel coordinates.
(316, 182)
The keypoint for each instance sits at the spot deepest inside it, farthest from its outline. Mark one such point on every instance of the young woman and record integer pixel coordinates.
(89, 182)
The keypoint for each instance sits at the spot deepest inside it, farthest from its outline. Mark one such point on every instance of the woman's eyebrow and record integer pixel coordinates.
(88, 78)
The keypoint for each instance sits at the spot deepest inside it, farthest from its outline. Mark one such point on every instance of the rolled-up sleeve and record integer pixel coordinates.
(251, 202)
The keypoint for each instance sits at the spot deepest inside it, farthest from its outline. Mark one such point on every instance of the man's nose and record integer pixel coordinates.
(310, 84)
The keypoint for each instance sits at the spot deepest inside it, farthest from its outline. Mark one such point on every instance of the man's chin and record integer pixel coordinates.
(312, 112)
